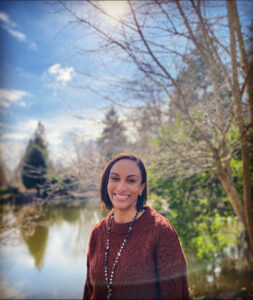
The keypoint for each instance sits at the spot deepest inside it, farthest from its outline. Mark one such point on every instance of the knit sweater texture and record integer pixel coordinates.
(152, 264)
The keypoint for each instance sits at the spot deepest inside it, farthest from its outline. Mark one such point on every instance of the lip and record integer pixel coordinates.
(119, 197)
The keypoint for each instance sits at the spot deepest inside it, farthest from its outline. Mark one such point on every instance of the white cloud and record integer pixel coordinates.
(15, 136)
(62, 132)
(54, 138)
(28, 126)
(12, 151)
(8, 97)
(61, 138)
(8, 291)
(13, 144)
(16, 34)
(10, 27)
(62, 75)
(5, 18)
(22, 103)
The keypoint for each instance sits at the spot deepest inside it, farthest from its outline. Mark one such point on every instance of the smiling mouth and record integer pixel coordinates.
(121, 197)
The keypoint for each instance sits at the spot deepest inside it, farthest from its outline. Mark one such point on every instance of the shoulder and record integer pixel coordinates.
(99, 229)
(101, 226)
(168, 244)
(162, 230)
(159, 222)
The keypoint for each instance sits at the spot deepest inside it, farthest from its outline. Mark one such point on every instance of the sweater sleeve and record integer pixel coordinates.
(171, 265)
(88, 286)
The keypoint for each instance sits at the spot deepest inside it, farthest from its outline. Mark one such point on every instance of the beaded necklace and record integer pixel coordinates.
(109, 283)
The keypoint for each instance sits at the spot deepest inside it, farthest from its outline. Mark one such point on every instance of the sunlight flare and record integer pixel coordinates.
(115, 9)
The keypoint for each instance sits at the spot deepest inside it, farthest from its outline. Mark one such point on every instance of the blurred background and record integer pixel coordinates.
(81, 81)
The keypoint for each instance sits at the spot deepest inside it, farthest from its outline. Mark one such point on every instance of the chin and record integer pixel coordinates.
(123, 206)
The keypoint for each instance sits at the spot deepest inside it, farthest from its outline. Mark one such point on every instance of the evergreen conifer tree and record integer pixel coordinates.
(113, 138)
(35, 161)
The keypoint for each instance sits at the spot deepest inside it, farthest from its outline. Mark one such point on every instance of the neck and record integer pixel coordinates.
(121, 216)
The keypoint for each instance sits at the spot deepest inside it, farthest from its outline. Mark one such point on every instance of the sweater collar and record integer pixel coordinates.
(123, 227)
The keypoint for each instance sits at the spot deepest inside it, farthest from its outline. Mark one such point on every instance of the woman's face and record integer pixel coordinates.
(124, 184)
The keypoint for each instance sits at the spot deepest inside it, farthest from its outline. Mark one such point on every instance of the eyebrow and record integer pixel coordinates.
(114, 173)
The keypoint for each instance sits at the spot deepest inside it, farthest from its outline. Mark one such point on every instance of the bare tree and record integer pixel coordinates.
(87, 165)
(155, 38)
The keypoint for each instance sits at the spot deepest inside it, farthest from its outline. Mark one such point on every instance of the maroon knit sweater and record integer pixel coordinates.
(151, 266)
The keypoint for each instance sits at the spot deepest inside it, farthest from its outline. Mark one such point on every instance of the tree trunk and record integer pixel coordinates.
(242, 126)
(247, 191)
(227, 182)
(246, 66)
(247, 143)
(38, 191)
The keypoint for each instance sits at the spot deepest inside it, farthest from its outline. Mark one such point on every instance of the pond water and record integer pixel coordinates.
(45, 257)
(50, 261)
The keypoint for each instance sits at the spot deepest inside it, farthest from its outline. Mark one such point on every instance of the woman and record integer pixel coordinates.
(134, 253)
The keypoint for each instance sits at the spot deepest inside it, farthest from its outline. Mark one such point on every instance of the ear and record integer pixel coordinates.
(142, 188)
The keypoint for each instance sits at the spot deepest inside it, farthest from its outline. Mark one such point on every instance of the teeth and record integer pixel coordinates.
(121, 197)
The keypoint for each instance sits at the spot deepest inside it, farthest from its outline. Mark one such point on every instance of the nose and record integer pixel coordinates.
(121, 187)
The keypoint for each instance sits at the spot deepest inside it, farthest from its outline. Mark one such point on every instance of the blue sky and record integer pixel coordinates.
(41, 64)
(38, 66)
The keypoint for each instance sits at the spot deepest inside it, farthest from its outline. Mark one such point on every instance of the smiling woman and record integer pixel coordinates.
(117, 268)
(124, 187)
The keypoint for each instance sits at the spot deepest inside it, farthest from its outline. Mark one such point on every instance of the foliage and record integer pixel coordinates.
(194, 55)
(34, 168)
(198, 208)
(35, 161)
(197, 205)
(7, 193)
(210, 242)
(59, 185)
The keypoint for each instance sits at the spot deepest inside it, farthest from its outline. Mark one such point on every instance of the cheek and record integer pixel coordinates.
(110, 186)
(135, 189)
(109, 191)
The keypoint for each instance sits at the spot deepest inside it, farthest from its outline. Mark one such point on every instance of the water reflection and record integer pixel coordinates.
(222, 276)
(37, 244)
(49, 261)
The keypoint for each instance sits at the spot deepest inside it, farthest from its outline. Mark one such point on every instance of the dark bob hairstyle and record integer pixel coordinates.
(104, 197)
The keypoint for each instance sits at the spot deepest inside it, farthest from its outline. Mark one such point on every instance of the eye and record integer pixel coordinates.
(132, 180)
(114, 178)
